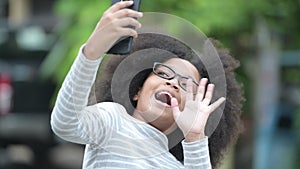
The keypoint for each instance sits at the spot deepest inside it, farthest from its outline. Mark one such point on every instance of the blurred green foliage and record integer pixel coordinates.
(227, 20)
(291, 75)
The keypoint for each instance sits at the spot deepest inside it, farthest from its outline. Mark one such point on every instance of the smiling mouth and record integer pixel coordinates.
(164, 98)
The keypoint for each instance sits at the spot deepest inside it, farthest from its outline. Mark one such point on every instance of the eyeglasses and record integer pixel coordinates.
(168, 73)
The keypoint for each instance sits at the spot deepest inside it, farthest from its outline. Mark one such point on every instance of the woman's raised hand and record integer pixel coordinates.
(193, 118)
(112, 26)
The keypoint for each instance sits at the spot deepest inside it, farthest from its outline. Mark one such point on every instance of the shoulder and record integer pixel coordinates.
(110, 107)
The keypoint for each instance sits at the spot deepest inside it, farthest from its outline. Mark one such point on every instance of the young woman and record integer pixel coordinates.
(173, 94)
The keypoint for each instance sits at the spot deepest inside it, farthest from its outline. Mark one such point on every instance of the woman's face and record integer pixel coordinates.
(153, 100)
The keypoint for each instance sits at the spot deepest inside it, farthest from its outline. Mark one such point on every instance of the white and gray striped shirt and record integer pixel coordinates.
(113, 138)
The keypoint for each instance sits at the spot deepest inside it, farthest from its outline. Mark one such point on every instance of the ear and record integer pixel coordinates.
(136, 96)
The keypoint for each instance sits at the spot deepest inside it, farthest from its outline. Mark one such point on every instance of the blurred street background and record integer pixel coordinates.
(39, 40)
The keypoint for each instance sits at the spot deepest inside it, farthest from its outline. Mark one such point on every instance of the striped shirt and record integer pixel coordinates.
(113, 138)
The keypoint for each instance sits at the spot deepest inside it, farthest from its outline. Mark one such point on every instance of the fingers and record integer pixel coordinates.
(208, 94)
(112, 26)
(189, 88)
(119, 10)
(119, 5)
(201, 89)
(126, 26)
(205, 95)
(125, 22)
(128, 32)
(119, 18)
(175, 108)
(216, 104)
(128, 13)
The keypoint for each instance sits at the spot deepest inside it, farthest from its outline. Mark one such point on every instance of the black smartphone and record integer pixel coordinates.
(124, 44)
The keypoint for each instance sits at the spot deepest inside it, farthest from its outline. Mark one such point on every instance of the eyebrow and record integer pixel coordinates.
(193, 78)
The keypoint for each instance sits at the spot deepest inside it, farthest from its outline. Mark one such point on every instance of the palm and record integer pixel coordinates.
(197, 110)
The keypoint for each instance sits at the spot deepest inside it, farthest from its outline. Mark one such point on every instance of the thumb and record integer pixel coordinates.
(175, 108)
(217, 104)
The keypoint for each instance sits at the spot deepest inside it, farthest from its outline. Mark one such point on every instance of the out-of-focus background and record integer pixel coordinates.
(39, 39)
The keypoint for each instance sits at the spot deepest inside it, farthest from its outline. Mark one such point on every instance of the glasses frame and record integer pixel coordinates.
(175, 75)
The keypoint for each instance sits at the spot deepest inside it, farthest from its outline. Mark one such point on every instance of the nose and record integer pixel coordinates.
(173, 83)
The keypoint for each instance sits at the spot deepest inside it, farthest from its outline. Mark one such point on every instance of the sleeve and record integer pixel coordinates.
(71, 118)
(196, 154)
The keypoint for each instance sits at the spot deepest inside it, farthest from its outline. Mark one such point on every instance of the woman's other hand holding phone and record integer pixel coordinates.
(111, 27)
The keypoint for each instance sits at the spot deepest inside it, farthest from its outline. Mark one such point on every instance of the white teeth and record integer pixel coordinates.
(163, 92)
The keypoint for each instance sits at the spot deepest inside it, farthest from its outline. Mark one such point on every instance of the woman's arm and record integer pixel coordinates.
(196, 154)
(71, 119)
(72, 99)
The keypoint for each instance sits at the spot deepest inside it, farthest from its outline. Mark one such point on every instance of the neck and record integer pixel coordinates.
(138, 116)
(158, 123)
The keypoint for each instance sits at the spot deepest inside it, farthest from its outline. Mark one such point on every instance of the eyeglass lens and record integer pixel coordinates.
(166, 72)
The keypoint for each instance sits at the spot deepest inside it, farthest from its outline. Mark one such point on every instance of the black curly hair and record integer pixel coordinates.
(229, 126)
